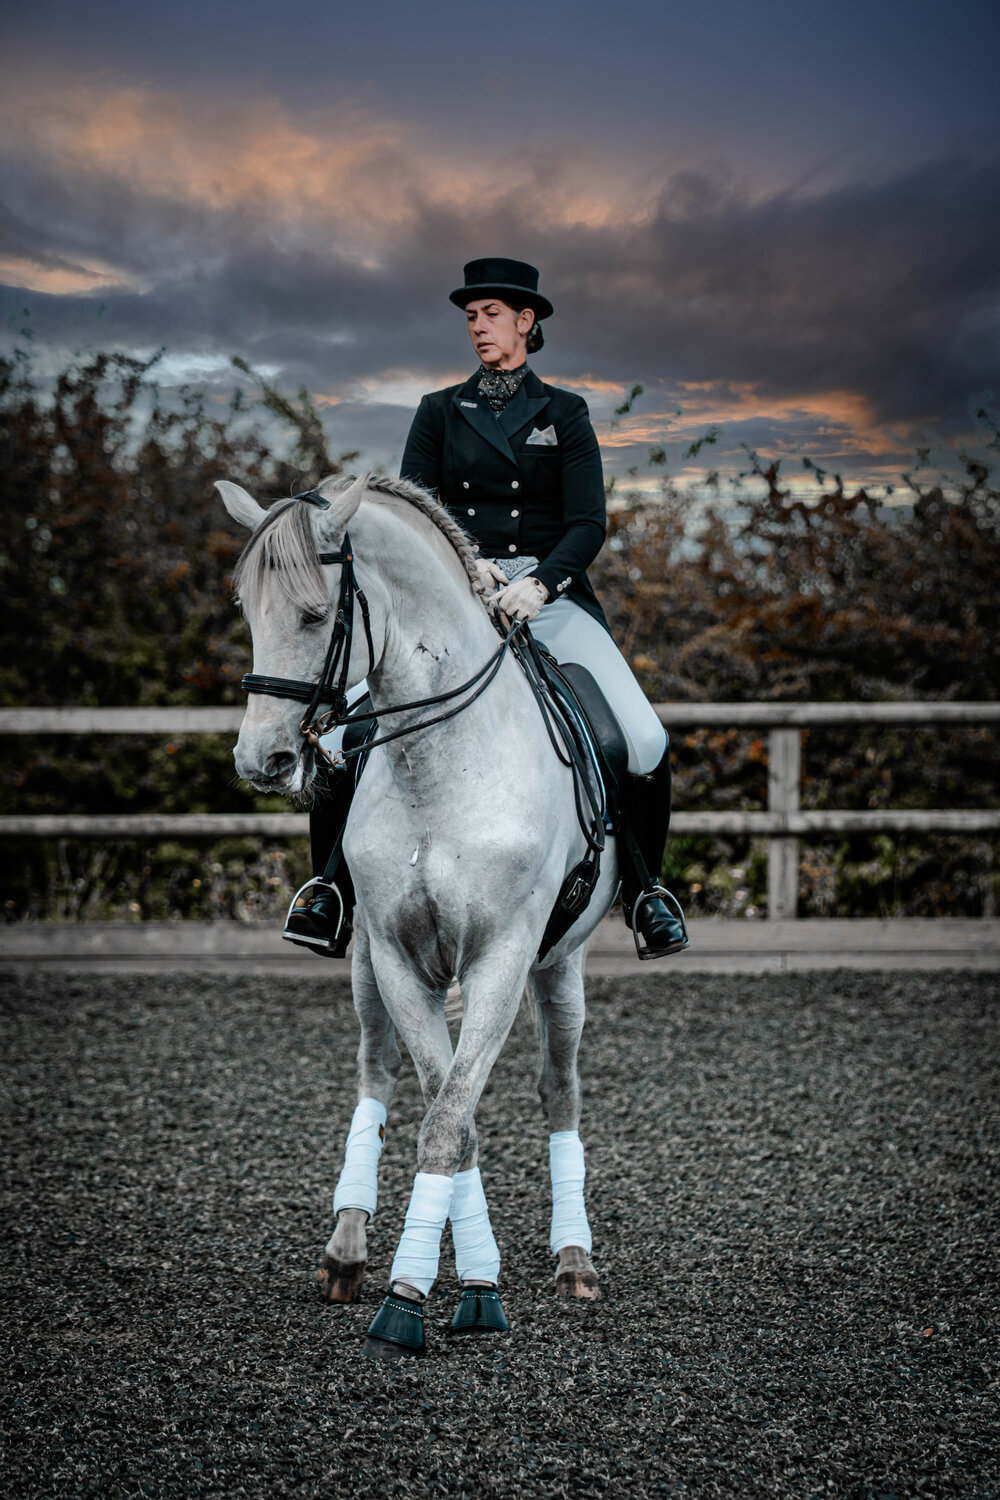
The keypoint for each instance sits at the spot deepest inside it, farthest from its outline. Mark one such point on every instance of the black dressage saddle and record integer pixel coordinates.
(600, 759)
(597, 732)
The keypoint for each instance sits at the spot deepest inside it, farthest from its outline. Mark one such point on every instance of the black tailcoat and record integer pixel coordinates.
(526, 483)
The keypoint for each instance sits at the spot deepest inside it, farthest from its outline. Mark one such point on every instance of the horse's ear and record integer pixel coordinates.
(241, 506)
(343, 503)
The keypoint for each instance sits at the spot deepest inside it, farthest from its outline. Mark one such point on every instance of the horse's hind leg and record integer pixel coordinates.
(559, 995)
(342, 1268)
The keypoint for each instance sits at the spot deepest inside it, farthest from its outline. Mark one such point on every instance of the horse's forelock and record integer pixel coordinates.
(283, 551)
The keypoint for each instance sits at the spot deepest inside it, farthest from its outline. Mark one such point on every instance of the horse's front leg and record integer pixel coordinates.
(447, 1182)
(559, 995)
(342, 1268)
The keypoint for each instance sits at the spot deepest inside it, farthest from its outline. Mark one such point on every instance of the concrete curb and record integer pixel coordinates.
(719, 947)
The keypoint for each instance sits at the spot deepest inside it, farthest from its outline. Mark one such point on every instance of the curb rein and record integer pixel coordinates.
(331, 686)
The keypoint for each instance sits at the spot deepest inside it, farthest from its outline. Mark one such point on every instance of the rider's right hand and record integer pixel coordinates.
(491, 575)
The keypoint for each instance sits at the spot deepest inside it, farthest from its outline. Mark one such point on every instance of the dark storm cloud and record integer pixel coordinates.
(886, 290)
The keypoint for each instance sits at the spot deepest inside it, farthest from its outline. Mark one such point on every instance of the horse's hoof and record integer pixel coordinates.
(479, 1312)
(340, 1281)
(396, 1330)
(583, 1284)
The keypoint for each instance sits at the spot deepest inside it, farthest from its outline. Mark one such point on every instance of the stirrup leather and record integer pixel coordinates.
(658, 891)
(301, 902)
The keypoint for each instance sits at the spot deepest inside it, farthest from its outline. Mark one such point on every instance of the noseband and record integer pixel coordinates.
(331, 686)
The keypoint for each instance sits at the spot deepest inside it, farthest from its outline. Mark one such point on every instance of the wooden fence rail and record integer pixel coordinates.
(783, 823)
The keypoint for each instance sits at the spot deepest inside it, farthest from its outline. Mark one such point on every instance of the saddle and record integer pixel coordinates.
(599, 735)
(601, 758)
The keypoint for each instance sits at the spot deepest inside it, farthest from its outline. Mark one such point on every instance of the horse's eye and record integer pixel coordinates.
(310, 617)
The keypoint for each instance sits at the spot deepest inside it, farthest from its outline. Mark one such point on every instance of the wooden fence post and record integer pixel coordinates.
(783, 767)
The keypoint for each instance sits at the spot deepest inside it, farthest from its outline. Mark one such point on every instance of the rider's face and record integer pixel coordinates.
(499, 334)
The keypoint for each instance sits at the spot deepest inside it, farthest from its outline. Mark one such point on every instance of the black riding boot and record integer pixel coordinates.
(646, 808)
(321, 916)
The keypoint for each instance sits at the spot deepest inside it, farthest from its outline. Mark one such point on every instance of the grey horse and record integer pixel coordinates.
(459, 840)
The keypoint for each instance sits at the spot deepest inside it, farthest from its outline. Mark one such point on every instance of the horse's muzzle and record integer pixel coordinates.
(286, 772)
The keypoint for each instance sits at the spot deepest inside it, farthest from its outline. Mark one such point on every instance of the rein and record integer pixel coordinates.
(331, 686)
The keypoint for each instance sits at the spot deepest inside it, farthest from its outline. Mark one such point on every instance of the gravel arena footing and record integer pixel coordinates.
(792, 1182)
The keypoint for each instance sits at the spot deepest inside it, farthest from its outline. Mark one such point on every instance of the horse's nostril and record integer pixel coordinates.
(281, 763)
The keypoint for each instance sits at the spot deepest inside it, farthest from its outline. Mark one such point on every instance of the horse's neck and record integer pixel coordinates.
(436, 632)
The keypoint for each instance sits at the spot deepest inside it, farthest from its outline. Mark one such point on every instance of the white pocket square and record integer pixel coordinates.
(545, 439)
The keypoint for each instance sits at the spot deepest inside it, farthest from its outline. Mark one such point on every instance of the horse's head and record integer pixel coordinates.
(288, 598)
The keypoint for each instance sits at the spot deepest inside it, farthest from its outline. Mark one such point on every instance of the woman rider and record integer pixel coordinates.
(517, 464)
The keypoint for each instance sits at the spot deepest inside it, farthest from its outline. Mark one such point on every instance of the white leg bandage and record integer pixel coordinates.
(357, 1186)
(569, 1217)
(417, 1257)
(477, 1256)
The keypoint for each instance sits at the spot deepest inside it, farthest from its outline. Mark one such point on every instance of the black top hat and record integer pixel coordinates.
(496, 277)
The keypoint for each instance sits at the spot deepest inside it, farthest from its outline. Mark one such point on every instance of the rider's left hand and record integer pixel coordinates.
(522, 600)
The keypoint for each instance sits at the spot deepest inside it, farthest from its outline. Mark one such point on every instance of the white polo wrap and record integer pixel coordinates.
(357, 1186)
(569, 1216)
(477, 1255)
(420, 1247)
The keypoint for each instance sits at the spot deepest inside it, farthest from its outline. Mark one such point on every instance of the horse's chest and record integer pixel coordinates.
(428, 878)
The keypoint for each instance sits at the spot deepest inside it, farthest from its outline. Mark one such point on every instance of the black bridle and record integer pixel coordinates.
(331, 686)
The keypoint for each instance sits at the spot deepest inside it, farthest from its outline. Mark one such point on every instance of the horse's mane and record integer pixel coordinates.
(284, 543)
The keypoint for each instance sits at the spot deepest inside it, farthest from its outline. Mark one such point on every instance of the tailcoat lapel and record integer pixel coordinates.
(479, 414)
(528, 401)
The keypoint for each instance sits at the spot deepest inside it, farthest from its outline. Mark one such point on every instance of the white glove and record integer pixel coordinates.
(491, 575)
(522, 600)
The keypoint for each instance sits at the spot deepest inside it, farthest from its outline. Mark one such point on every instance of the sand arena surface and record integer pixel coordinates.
(793, 1185)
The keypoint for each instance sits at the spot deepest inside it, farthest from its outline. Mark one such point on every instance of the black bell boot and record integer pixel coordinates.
(322, 911)
(653, 914)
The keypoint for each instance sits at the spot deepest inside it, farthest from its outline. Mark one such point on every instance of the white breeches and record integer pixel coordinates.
(572, 635)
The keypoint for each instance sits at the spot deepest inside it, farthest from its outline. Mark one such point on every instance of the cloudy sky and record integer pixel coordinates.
(782, 218)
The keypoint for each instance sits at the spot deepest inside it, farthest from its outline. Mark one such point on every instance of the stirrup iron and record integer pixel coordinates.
(300, 902)
(658, 891)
